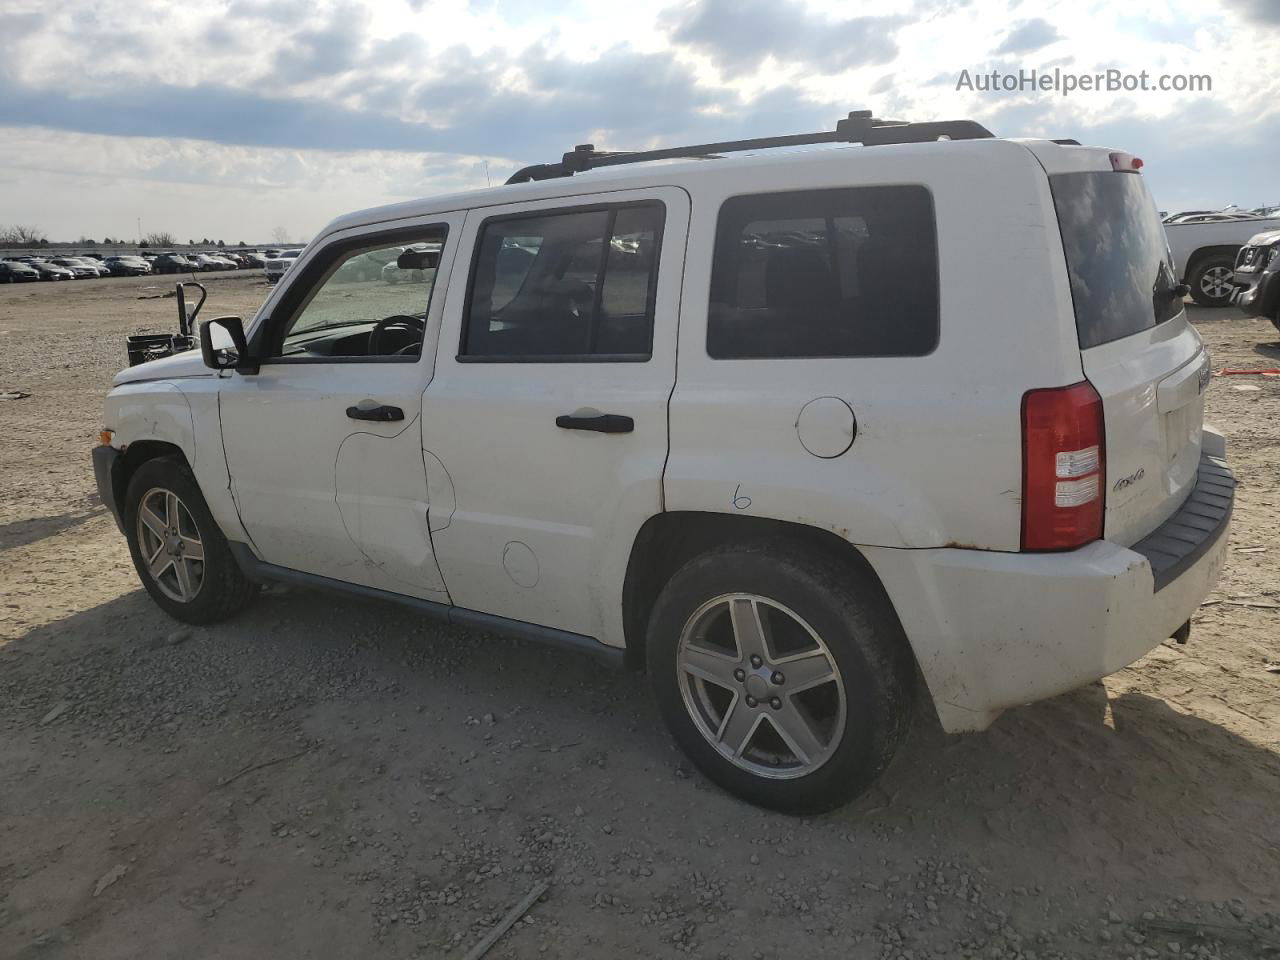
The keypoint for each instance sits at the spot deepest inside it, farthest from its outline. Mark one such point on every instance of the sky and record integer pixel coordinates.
(249, 119)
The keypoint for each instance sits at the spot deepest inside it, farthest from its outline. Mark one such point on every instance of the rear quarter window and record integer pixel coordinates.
(850, 272)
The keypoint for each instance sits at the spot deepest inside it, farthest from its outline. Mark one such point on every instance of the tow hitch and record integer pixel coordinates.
(152, 346)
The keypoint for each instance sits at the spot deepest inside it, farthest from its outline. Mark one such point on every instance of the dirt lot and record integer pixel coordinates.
(329, 778)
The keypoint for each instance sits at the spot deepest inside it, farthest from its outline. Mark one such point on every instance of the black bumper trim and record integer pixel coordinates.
(105, 461)
(1184, 538)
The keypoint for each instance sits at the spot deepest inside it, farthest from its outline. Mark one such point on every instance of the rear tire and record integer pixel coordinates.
(1210, 280)
(181, 556)
(781, 729)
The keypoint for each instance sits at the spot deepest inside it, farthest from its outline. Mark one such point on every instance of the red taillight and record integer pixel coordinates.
(1063, 467)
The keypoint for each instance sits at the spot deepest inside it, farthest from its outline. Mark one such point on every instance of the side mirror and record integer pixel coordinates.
(418, 260)
(223, 344)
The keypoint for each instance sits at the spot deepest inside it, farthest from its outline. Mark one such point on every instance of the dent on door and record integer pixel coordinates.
(383, 512)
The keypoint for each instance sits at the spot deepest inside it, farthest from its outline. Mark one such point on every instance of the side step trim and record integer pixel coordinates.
(259, 571)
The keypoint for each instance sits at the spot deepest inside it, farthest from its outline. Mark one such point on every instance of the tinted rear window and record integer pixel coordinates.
(850, 272)
(1117, 255)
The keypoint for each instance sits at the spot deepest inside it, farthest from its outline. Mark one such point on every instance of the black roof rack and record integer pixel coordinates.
(859, 127)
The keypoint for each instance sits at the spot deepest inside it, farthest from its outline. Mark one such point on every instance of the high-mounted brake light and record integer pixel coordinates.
(1125, 163)
(1063, 467)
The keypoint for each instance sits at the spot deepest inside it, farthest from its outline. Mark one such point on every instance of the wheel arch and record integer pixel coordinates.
(133, 457)
(1200, 254)
(668, 540)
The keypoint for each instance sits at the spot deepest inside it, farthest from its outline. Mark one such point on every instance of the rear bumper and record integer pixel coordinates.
(106, 461)
(995, 630)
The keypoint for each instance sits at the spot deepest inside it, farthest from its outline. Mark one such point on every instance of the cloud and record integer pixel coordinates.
(1029, 36)
(466, 109)
(318, 52)
(1259, 11)
(739, 34)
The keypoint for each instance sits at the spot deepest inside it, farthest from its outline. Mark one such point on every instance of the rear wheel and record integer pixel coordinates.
(1210, 280)
(180, 554)
(785, 677)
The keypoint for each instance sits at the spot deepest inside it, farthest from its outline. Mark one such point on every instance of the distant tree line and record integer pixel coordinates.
(21, 235)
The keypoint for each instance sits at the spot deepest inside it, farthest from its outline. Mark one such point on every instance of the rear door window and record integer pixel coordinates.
(850, 272)
(1118, 260)
(568, 285)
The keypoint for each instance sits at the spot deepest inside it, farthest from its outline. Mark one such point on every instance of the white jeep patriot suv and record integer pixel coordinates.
(798, 432)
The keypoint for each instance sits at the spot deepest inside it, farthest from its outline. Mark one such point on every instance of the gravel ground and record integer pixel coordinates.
(324, 777)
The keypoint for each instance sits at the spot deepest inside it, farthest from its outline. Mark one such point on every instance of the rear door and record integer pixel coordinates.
(1137, 347)
(548, 409)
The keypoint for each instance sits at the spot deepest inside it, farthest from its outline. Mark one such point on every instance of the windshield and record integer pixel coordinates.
(1117, 255)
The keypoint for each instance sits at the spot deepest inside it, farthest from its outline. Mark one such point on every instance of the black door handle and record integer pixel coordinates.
(600, 423)
(379, 412)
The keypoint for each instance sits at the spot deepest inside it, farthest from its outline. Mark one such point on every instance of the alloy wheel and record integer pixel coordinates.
(1216, 282)
(171, 545)
(761, 686)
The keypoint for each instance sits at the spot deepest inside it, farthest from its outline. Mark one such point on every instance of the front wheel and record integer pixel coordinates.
(180, 554)
(785, 677)
(1210, 281)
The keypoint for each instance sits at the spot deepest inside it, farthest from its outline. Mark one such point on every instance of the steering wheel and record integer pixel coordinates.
(380, 344)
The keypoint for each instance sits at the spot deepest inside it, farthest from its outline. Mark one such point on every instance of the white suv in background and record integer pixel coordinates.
(782, 429)
(274, 267)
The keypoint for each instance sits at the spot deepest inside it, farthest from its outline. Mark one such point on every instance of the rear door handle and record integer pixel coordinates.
(599, 422)
(373, 410)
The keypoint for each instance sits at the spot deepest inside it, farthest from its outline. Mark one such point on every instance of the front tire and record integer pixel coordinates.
(181, 556)
(784, 675)
(1210, 281)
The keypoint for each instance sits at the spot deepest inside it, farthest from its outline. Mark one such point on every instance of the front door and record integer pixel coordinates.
(323, 442)
(548, 409)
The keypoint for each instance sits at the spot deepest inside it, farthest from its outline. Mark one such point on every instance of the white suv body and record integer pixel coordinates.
(273, 268)
(899, 455)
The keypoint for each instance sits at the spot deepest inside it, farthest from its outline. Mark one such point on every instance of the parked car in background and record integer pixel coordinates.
(252, 259)
(1210, 217)
(79, 268)
(1256, 280)
(98, 266)
(1204, 253)
(52, 271)
(222, 261)
(203, 262)
(172, 263)
(14, 271)
(127, 266)
(274, 268)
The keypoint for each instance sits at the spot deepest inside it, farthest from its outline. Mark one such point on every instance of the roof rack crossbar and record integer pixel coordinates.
(859, 127)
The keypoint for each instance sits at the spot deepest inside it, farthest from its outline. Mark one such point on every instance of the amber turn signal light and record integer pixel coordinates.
(105, 438)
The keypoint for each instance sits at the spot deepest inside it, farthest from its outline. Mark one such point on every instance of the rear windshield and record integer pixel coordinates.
(1117, 256)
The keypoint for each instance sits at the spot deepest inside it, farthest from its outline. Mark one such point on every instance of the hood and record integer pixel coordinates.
(183, 365)
(177, 366)
(1264, 239)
